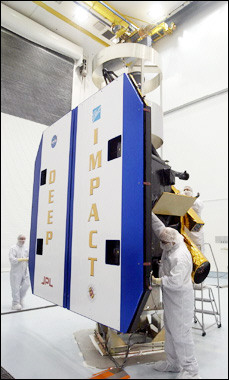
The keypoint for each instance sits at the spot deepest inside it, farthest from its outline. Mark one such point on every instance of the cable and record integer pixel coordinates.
(109, 75)
(121, 366)
(129, 346)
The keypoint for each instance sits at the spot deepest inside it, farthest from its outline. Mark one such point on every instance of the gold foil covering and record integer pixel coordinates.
(173, 204)
(176, 191)
(192, 221)
(197, 256)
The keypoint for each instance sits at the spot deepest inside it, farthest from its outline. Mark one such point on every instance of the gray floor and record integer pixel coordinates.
(39, 343)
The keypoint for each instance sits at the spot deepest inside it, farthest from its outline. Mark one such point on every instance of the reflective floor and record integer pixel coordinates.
(38, 343)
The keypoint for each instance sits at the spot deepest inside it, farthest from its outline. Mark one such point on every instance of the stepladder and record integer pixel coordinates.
(205, 303)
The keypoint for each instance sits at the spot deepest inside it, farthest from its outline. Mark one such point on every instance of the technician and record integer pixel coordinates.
(19, 275)
(196, 236)
(178, 300)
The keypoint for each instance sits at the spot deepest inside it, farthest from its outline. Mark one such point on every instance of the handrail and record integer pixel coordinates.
(217, 279)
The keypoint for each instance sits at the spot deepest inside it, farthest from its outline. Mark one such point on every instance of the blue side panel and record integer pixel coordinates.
(69, 217)
(132, 233)
(33, 228)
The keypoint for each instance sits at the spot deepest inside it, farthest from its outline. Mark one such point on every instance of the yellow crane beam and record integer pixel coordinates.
(70, 22)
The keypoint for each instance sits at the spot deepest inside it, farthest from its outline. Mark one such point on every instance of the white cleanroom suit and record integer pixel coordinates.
(198, 205)
(19, 274)
(178, 300)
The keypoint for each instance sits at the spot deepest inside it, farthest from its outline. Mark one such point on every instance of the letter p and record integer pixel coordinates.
(94, 186)
(48, 236)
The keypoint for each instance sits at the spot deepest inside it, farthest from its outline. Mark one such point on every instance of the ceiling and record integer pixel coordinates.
(146, 12)
(62, 17)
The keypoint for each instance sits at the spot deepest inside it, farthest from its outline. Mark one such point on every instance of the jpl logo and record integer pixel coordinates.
(96, 114)
(54, 141)
(47, 281)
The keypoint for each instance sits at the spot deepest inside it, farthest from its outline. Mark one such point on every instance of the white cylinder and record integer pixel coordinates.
(127, 53)
(31, 30)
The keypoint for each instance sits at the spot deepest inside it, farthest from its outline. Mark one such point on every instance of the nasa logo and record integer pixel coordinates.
(54, 141)
(96, 115)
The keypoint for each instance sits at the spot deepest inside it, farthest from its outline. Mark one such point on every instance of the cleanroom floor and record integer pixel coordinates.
(39, 343)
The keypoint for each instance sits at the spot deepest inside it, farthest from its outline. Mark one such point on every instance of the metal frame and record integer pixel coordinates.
(139, 54)
(216, 311)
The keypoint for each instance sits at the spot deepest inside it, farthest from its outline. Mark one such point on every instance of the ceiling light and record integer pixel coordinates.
(156, 13)
(81, 14)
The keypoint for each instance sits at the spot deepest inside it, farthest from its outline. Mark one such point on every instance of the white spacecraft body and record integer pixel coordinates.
(87, 241)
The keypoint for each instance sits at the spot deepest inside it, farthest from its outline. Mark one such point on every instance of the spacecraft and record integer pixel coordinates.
(97, 177)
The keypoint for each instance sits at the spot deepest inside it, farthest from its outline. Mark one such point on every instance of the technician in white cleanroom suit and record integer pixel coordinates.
(178, 299)
(198, 205)
(19, 275)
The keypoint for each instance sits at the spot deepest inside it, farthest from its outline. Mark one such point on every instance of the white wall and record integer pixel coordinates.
(196, 141)
(195, 64)
(216, 218)
(195, 57)
(19, 145)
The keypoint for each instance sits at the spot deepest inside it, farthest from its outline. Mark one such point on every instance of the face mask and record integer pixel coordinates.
(188, 193)
(166, 246)
(21, 242)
